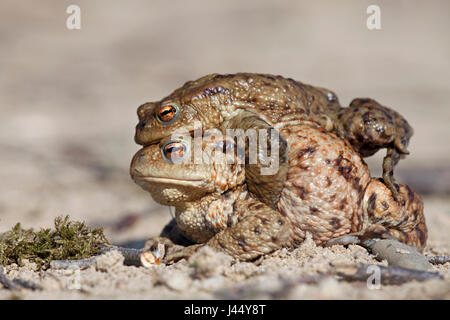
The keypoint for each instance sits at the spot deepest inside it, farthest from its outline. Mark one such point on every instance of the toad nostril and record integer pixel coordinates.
(142, 110)
(137, 173)
(142, 124)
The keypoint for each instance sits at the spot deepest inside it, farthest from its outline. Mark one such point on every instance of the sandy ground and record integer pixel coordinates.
(67, 115)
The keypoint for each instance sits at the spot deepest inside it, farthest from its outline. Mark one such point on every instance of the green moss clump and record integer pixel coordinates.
(69, 240)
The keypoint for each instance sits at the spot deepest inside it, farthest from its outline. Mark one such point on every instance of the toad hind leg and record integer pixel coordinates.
(261, 232)
(369, 127)
(402, 219)
(389, 162)
(388, 218)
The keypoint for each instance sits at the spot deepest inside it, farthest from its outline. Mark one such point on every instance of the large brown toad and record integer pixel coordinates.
(328, 193)
(247, 100)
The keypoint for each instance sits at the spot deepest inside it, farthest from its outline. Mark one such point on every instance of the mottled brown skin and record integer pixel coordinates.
(369, 126)
(328, 193)
(212, 206)
(219, 101)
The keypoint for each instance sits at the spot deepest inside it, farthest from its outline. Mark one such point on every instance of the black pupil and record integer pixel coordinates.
(167, 111)
(174, 151)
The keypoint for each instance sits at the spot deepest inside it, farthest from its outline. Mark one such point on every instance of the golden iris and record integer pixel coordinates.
(167, 113)
(174, 151)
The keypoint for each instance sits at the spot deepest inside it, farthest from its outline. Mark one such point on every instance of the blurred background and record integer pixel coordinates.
(68, 98)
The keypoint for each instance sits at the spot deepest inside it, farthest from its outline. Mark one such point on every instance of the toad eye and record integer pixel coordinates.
(174, 151)
(167, 113)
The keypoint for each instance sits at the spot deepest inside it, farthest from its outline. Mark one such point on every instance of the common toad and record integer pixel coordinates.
(265, 101)
(328, 193)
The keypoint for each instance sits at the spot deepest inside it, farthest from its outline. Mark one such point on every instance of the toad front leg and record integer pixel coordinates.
(265, 172)
(262, 230)
(369, 126)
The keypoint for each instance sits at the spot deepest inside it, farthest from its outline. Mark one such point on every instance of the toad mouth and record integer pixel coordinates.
(158, 141)
(160, 180)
